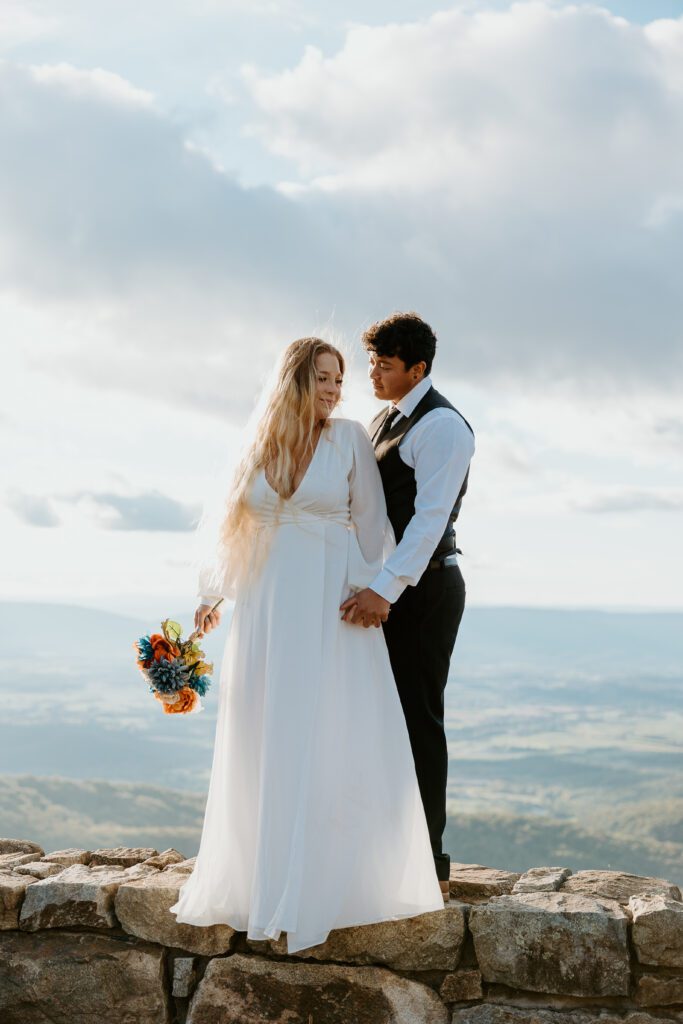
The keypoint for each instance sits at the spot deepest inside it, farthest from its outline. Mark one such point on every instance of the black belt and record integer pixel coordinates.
(444, 563)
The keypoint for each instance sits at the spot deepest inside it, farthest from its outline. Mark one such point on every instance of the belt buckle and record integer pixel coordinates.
(449, 560)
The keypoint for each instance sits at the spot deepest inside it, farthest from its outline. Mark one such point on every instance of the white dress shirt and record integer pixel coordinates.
(438, 448)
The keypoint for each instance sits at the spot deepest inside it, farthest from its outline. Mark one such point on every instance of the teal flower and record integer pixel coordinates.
(200, 684)
(167, 676)
(145, 648)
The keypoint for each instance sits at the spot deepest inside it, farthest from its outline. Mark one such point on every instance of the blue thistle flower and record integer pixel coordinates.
(167, 676)
(200, 684)
(145, 648)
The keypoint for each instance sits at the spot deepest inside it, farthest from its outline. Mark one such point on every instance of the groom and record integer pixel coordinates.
(423, 447)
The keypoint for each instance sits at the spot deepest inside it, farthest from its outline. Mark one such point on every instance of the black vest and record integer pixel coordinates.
(398, 479)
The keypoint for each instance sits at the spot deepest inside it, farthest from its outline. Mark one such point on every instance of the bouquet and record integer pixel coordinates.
(175, 669)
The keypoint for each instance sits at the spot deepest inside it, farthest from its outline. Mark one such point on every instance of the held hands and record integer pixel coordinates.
(366, 608)
(205, 620)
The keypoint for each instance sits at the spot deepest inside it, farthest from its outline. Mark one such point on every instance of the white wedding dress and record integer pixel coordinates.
(313, 817)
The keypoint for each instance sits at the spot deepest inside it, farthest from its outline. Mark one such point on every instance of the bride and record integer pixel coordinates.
(313, 818)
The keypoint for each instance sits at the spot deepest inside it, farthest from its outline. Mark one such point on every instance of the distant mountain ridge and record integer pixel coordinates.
(519, 635)
(564, 729)
(95, 813)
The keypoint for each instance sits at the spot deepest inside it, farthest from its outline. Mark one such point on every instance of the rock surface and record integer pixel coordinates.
(79, 896)
(87, 937)
(73, 855)
(166, 859)
(461, 986)
(38, 869)
(142, 907)
(498, 1014)
(476, 882)
(66, 978)
(541, 880)
(184, 976)
(553, 942)
(618, 885)
(431, 941)
(182, 865)
(10, 846)
(8, 861)
(653, 990)
(657, 929)
(251, 990)
(12, 892)
(124, 856)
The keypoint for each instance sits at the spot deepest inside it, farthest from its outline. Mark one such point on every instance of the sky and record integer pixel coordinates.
(186, 187)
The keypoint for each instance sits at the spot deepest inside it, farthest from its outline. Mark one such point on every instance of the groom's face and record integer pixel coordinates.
(391, 378)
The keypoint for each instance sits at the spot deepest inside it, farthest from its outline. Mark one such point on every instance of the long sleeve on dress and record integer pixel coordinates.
(373, 536)
(212, 584)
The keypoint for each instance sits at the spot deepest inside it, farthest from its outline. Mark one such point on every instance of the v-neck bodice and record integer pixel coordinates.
(323, 490)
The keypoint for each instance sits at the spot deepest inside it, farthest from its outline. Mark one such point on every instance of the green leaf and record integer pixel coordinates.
(172, 630)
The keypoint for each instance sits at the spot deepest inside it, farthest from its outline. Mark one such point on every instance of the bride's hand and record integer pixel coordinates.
(205, 622)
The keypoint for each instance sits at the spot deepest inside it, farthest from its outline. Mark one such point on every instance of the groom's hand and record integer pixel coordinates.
(366, 608)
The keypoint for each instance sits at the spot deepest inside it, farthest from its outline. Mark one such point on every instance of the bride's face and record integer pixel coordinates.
(328, 383)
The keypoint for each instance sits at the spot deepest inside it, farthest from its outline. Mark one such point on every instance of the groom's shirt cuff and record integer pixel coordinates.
(388, 586)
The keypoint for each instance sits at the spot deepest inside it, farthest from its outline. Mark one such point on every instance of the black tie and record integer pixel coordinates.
(387, 425)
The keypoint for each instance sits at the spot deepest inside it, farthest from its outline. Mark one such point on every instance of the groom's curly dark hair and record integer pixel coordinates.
(405, 335)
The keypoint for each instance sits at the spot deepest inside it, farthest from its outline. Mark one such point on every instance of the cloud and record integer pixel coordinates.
(149, 511)
(527, 161)
(163, 268)
(633, 499)
(511, 175)
(32, 509)
(96, 84)
(669, 431)
(19, 23)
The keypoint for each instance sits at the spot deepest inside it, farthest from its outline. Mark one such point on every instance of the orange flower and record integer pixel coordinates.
(187, 698)
(162, 648)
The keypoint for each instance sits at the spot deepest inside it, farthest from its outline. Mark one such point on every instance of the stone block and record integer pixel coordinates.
(659, 990)
(167, 858)
(9, 861)
(142, 907)
(476, 882)
(252, 990)
(431, 941)
(9, 846)
(657, 929)
(618, 885)
(38, 869)
(80, 896)
(123, 856)
(461, 986)
(496, 1013)
(72, 855)
(554, 942)
(67, 978)
(182, 865)
(184, 976)
(12, 890)
(541, 880)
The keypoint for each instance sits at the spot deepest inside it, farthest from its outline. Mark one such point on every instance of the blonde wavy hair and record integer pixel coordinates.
(284, 436)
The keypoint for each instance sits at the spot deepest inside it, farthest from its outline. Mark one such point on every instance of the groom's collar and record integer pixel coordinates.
(406, 405)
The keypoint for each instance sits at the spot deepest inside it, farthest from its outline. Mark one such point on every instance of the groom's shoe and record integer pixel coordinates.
(445, 891)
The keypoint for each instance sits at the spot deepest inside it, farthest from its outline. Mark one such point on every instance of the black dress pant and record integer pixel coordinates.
(420, 634)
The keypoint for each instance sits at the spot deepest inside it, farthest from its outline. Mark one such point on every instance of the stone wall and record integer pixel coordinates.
(87, 936)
